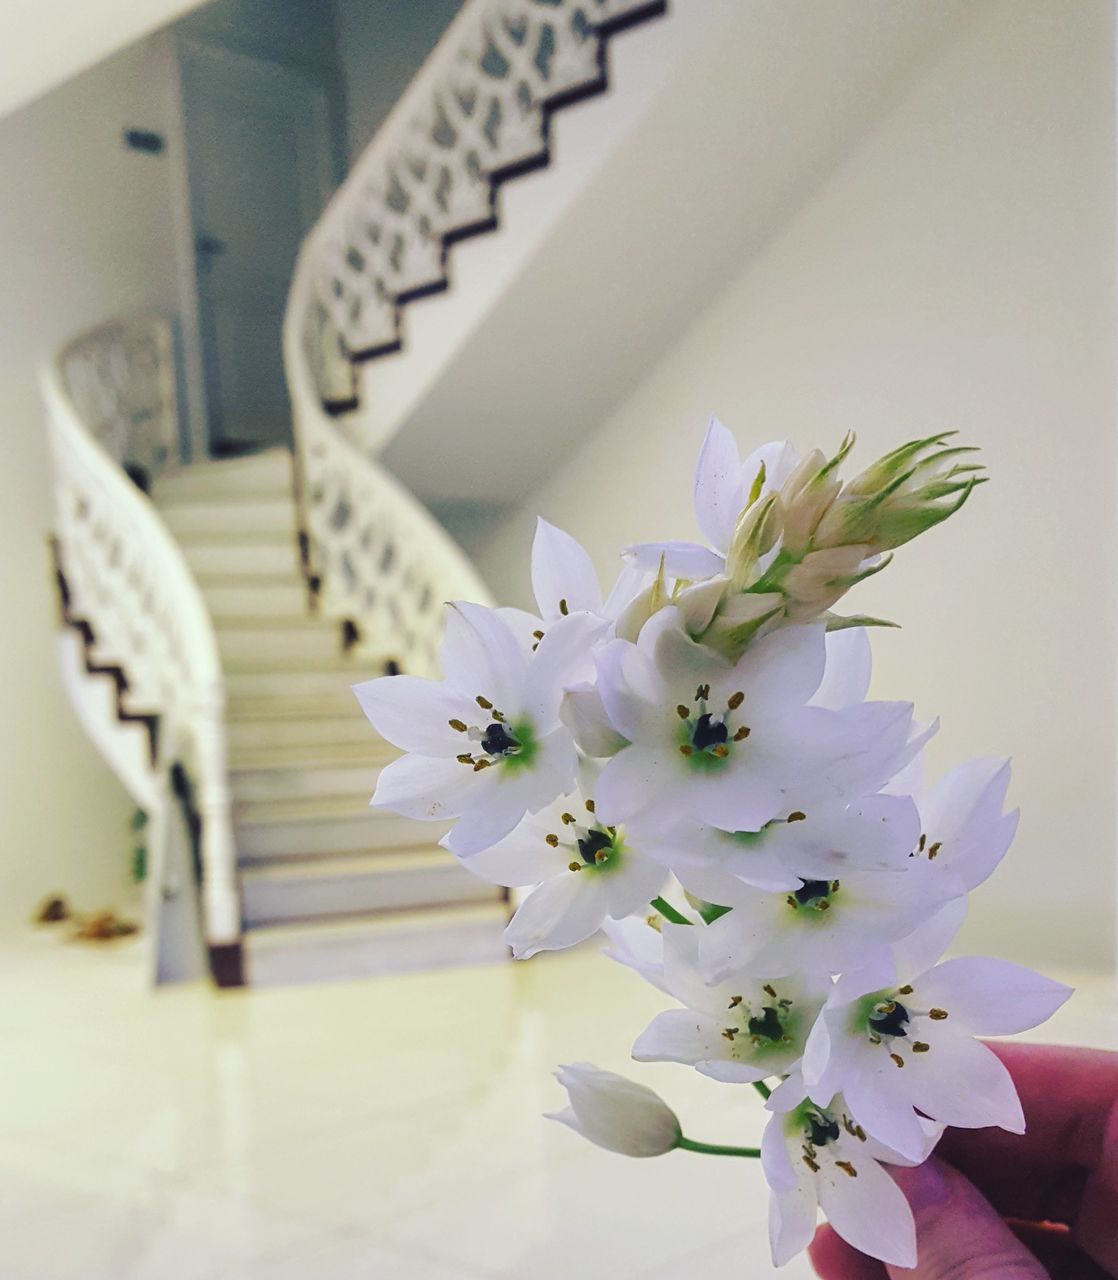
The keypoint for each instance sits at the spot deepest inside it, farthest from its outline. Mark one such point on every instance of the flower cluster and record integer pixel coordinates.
(692, 764)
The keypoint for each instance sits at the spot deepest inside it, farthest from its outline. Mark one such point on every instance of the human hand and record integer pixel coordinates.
(992, 1205)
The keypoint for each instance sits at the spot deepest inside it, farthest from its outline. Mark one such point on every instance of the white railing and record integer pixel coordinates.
(110, 402)
(475, 115)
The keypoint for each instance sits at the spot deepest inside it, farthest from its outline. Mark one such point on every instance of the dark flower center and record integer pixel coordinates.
(811, 891)
(823, 1128)
(767, 1025)
(891, 1020)
(497, 740)
(708, 732)
(593, 843)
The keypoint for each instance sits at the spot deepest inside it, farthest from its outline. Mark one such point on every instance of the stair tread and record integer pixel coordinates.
(340, 755)
(284, 933)
(267, 813)
(347, 865)
(280, 622)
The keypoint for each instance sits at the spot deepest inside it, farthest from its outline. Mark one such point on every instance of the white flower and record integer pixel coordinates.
(895, 1048)
(585, 872)
(564, 580)
(963, 828)
(486, 744)
(728, 746)
(616, 1113)
(738, 1030)
(824, 926)
(723, 487)
(819, 1157)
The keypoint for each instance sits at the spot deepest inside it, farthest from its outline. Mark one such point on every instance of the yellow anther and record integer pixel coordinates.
(567, 818)
(797, 816)
(483, 703)
(735, 1001)
(552, 839)
(742, 733)
(897, 1059)
(685, 750)
(564, 608)
(904, 991)
(937, 1015)
(934, 849)
(481, 764)
(920, 1047)
(601, 856)
(574, 866)
(736, 700)
(847, 1168)
(457, 725)
(590, 806)
(811, 1164)
(465, 758)
(769, 990)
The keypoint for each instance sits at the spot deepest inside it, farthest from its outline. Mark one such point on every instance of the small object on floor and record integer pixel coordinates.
(53, 910)
(103, 926)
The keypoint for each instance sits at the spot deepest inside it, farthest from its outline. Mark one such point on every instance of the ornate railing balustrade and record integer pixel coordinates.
(476, 115)
(126, 587)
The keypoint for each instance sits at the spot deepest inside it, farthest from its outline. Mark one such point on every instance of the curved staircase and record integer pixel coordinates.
(222, 610)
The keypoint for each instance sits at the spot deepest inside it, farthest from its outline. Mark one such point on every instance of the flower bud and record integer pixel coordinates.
(616, 1113)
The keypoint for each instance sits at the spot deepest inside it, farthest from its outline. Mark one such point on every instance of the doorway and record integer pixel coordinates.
(260, 166)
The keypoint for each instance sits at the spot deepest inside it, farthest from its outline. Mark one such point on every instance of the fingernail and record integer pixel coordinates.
(925, 1186)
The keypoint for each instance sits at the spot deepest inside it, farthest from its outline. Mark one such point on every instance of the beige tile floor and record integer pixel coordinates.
(387, 1129)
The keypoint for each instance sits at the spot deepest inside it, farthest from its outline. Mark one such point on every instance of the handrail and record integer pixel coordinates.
(475, 115)
(128, 583)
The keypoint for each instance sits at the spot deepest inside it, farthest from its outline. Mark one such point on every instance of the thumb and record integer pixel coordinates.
(958, 1233)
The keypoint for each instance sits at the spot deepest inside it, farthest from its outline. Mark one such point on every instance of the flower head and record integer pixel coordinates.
(616, 1113)
(486, 744)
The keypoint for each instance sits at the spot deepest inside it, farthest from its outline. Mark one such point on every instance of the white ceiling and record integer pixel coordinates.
(48, 41)
(746, 127)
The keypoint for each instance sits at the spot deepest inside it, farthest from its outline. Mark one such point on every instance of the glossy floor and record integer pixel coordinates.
(387, 1129)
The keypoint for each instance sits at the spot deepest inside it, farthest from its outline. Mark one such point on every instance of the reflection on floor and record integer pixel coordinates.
(387, 1129)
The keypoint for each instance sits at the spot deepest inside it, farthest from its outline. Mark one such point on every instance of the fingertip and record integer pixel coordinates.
(834, 1259)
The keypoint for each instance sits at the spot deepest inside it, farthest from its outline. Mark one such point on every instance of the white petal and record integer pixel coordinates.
(776, 1158)
(734, 799)
(632, 781)
(562, 574)
(919, 950)
(424, 787)
(562, 912)
(490, 817)
(629, 686)
(414, 713)
(846, 678)
(792, 1219)
(880, 1099)
(522, 624)
(632, 886)
(584, 714)
(680, 559)
(681, 1035)
(552, 772)
(869, 1212)
(720, 488)
(963, 1083)
(631, 580)
(480, 649)
(523, 857)
(781, 670)
(564, 657)
(992, 997)
(635, 944)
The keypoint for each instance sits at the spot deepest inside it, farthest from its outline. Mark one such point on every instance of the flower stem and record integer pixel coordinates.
(763, 1089)
(714, 1149)
(668, 911)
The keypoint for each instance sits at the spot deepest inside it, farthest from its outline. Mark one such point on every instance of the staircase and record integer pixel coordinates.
(328, 886)
(217, 614)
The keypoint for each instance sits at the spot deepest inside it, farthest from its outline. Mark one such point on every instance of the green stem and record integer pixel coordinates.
(714, 1149)
(763, 1089)
(668, 911)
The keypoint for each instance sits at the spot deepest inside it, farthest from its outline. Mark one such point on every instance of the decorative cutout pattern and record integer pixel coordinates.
(121, 382)
(477, 114)
(382, 560)
(127, 580)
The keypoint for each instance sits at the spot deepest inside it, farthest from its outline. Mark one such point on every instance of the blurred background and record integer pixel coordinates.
(309, 308)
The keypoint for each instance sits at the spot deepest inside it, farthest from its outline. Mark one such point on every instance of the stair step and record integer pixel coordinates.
(334, 679)
(335, 702)
(314, 782)
(270, 472)
(267, 554)
(326, 887)
(232, 517)
(255, 644)
(311, 756)
(395, 942)
(301, 731)
(315, 828)
(284, 597)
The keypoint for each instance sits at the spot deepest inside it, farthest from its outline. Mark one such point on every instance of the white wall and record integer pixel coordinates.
(84, 234)
(956, 271)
